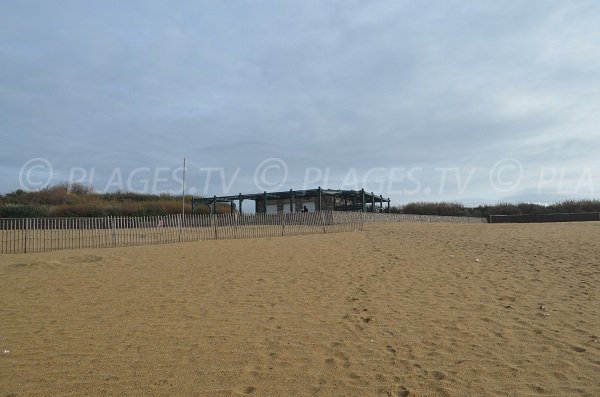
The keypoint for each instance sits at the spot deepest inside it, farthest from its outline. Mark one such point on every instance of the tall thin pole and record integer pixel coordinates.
(183, 190)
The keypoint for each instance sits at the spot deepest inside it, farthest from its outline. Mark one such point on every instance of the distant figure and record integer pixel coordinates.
(304, 209)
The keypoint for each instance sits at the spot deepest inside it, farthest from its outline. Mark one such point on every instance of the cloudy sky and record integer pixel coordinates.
(479, 101)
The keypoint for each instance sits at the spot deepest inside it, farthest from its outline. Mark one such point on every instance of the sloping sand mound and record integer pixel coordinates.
(397, 310)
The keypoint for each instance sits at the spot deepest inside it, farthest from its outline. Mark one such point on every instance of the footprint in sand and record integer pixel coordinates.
(249, 390)
(342, 357)
(419, 370)
(17, 265)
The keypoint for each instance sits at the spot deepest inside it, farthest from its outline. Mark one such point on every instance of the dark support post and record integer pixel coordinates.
(231, 205)
(193, 202)
(291, 201)
(320, 199)
(353, 202)
(363, 202)
(240, 202)
(213, 210)
(380, 203)
(388, 205)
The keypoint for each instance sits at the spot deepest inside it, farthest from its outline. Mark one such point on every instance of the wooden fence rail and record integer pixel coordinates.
(50, 234)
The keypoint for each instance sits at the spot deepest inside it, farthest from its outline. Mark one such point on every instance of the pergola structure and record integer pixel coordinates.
(320, 199)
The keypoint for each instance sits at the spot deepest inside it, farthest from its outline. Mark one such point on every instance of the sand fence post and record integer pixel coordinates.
(122, 235)
(78, 223)
(114, 230)
(11, 236)
(59, 234)
(5, 236)
(162, 228)
(179, 227)
(213, 218)
(362, 221)
(231, 225)
(236, 223)
(15, 234)
(169, 228)
(35, 238)
(26, 235)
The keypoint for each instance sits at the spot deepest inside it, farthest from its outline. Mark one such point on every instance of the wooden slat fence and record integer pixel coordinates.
(50, 234)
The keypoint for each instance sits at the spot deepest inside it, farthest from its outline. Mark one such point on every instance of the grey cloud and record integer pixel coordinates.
(318, 84)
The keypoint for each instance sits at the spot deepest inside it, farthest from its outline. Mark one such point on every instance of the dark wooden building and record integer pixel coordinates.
(298, 200)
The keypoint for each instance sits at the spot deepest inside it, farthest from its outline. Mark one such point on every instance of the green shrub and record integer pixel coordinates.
(435, 208)
(22, 211)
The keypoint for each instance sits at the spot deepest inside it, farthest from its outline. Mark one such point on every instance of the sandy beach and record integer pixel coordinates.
(395, 310)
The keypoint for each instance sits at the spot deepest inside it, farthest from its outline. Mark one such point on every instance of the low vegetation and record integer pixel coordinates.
(457, 209)
(76, 200)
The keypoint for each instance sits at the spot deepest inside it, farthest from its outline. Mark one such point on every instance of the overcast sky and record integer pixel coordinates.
(480, 101)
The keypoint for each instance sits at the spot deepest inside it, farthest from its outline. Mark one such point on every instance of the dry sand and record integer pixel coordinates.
(396, 310)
